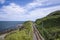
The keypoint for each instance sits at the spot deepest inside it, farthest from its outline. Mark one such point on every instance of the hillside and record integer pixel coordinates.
(49, 26)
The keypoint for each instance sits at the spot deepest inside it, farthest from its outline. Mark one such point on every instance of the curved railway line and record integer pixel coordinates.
(37, 34)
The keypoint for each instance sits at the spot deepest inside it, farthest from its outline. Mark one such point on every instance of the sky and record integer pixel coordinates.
(23, 10)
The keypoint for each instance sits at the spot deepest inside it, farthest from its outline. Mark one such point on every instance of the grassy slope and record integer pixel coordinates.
(22, 34)
(49, 26)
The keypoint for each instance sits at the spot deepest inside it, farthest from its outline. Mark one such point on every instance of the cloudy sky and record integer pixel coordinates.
(22, 10)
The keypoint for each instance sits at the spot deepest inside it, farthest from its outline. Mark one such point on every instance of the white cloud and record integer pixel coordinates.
(41, 3)
(2, 1)
(34, 4)
(12, 11)
(39, 12)
(51, 2)
(16, 12)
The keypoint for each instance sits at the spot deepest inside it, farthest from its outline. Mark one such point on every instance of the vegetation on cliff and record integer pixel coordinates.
(49, 26)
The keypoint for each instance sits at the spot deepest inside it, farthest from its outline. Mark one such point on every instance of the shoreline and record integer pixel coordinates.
(10, 30)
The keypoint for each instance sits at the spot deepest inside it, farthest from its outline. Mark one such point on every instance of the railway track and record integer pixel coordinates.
(37, 34)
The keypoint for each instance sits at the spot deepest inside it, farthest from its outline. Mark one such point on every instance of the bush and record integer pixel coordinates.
(25, 34)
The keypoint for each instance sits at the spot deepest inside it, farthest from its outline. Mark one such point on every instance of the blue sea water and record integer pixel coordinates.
(4, 25)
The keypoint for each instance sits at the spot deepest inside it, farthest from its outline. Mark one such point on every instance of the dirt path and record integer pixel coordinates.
(2, 36)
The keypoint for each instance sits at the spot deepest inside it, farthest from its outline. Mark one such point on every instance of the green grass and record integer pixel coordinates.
(26, 33)
(49, 27)
(50, 33)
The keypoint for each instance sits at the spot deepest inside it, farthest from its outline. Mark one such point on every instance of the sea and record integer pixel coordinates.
(4, 25)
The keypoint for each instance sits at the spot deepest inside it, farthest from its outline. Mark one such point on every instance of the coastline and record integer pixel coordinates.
(10, 30)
